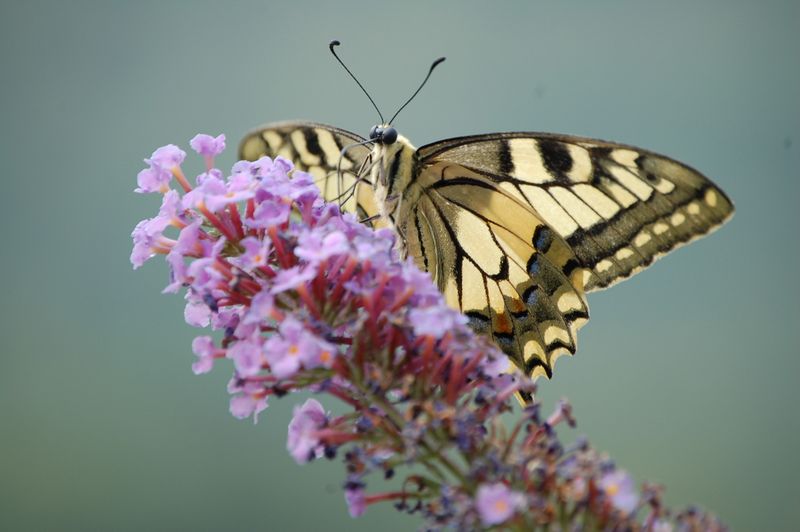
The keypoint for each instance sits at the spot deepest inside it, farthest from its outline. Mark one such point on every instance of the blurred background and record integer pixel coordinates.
(686, 375)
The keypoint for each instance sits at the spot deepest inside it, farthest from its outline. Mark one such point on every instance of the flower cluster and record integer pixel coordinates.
(305, 297)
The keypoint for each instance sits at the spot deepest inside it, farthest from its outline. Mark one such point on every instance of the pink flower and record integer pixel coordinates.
(153, 179)
(145, 244)
(269, 213)
(315, 246)
(621, 490)
(203, 347)
(246, 405)
(294, 347)
(256, 253)
(190, 240)
(168, 157)
(496, 503)
(261, 307)
(207, 145)
(435, 320)
(196, 312)
(291, 278)
(214, 194)
(302, 442)
(247, 356)
(356, 501)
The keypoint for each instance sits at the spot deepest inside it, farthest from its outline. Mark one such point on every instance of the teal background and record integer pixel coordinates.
(687, 375)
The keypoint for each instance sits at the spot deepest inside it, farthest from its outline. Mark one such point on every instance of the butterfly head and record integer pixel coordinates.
(383, 134)
(393, 157)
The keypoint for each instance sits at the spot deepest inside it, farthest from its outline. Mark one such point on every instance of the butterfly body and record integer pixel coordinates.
(393, 179)
(514, 228)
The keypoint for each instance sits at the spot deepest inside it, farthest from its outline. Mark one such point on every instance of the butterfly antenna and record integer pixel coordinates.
(430, 71)
(340, 173)
(337, 43)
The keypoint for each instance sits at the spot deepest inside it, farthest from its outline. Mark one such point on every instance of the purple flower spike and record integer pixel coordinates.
(496, 503)
(304, 298)
(302, 442)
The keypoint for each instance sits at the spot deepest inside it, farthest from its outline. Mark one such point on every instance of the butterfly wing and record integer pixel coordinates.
(317, 149)
(619, 208)
(498, 262)
(516, 226)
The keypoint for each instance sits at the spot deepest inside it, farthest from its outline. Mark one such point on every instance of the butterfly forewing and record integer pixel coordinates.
(618, 207)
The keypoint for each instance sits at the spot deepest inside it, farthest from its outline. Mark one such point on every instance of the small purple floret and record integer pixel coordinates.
(315, 246)
(269, 213)
(207, 145)
(496, 503)
(244, 406)
(302, 442)
(621, 490)
(153, 179)
(435, 321)
(168, 157)
(356, 501)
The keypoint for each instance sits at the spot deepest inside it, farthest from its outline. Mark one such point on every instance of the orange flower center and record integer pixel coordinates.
(501, 506)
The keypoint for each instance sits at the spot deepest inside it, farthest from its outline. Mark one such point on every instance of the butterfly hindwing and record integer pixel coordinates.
(618, 207)
(499, 263)
(317, 149)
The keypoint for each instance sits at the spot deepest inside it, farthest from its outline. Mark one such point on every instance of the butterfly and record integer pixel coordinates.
(514, 228)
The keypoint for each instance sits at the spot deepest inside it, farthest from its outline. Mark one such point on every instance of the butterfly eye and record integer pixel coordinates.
(389, 135)
(374, 132)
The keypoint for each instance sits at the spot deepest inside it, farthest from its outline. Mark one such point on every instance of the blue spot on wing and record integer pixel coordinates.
(531, 296)
(533, 265)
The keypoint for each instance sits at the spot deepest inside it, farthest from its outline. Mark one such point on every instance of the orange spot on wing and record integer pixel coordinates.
(502, 324)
